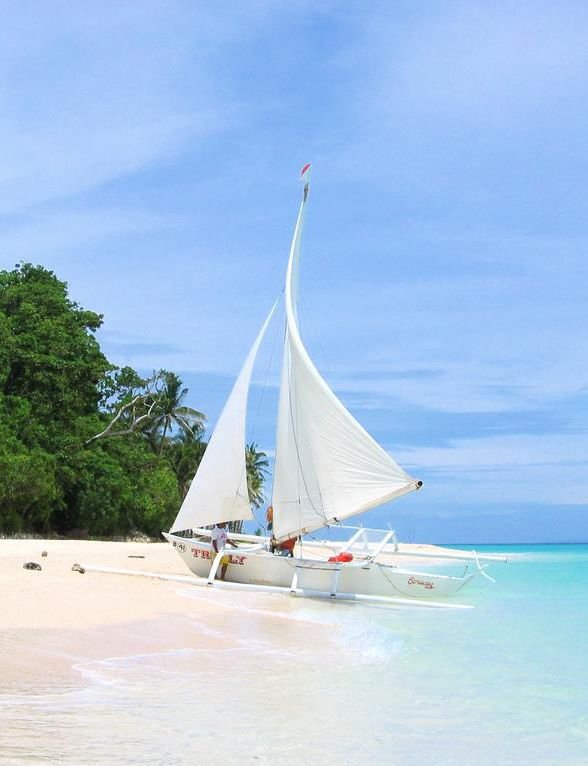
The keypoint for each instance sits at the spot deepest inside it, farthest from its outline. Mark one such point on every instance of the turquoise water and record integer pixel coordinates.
(321, 683)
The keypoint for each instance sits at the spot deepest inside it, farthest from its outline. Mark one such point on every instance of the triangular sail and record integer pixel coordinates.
(327, 466)
(219, 489)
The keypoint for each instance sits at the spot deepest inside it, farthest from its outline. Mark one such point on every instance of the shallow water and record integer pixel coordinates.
(319, 683)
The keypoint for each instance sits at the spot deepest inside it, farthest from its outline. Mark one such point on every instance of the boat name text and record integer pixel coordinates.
(428, 584)
(201, 553)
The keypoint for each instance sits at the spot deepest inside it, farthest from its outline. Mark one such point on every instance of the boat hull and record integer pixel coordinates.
(260, 567)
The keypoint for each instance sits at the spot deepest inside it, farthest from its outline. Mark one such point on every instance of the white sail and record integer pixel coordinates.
(219, 490)
(327, 466)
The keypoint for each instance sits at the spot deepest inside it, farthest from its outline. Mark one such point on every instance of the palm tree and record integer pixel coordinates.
(257, 464)
(184, 453)
(169, 411)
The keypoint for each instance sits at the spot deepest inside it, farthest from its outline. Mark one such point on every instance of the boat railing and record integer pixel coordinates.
(364, 544)
(202, 533)
(360, 544)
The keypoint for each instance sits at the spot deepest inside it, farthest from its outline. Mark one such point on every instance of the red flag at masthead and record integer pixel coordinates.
(305, 176)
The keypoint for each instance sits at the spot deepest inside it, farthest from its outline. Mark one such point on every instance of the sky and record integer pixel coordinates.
(149, 155)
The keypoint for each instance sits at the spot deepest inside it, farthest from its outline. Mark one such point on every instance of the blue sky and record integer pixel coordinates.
(149, 155)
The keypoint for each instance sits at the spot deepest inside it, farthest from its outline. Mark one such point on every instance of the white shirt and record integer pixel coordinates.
(219, 534)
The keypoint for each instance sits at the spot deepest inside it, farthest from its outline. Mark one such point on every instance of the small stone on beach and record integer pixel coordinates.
(32, 565)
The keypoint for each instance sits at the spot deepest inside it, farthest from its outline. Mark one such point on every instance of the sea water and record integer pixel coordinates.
(314, 682)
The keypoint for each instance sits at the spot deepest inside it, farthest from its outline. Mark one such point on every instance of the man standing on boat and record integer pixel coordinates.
(219, 538)
(269, 518)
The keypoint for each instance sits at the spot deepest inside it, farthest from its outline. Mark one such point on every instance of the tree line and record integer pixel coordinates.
(88, 448)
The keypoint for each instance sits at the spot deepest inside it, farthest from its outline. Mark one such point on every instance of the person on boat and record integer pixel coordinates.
(269, 518)
(219, 538)
(287, 547)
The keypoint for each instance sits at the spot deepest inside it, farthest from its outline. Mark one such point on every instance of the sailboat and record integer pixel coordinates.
(327, 469)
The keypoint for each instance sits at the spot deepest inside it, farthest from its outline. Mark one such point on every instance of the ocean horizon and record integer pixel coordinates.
(320, 682)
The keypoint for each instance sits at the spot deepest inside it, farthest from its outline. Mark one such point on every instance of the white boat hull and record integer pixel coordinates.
(371, 579)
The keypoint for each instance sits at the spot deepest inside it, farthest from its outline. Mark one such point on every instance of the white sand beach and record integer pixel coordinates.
(57, 597)
(56, 617)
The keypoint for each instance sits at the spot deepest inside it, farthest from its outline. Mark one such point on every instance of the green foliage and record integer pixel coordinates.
(123, 488)
(169, 412)
(257, 465)
(28, 487)
(51, 357)
(183, 454)
(61, 405)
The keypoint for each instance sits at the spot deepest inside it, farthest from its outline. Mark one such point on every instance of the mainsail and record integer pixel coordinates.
(327, 466)
(219, 490)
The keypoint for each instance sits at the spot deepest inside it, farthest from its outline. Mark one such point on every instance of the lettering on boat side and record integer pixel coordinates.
(199, 552)
(180, 546)
(428, 584)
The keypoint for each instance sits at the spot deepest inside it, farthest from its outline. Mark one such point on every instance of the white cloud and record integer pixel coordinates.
(461, 97)
(497, 343)
(477, 63)
(546, 469)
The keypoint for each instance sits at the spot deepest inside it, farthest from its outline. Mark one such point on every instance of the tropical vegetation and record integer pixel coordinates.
(88, 448)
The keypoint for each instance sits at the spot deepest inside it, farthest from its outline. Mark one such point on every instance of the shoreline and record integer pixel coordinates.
(57, 597)
(54, 619)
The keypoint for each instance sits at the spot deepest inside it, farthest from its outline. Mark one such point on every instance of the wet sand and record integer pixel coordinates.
(54, 619)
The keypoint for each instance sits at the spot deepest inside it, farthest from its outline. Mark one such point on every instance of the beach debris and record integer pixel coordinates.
(43, 554)
(78, 568)
(135, 556)
(32, 565)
